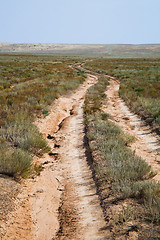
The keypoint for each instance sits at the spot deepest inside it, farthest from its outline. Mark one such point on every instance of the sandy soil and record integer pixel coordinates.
(62, 202)
(81, 187)
(147, 144)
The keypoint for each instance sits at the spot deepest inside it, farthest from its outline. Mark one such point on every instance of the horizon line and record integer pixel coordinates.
(81, 43)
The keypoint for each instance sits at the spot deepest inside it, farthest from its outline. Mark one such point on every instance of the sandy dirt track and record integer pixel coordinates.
(62, 202)
(147, 144)
(82, 200)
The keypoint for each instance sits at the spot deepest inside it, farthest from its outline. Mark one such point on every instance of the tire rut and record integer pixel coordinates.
(81, 198)
(147, 143)
(62, 202)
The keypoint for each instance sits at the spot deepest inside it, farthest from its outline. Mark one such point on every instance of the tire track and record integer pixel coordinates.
(62, 202)
(147, 144)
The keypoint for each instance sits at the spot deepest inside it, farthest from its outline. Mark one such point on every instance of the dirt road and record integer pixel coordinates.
(147, 144)
(62, 202)
(80, 202)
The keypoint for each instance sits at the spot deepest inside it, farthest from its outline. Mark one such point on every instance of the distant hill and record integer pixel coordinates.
(84, 50)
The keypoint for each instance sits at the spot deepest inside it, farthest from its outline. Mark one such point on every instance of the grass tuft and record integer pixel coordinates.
(15, 163)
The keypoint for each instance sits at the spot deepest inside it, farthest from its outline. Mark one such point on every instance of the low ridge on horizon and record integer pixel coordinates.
(84, 50)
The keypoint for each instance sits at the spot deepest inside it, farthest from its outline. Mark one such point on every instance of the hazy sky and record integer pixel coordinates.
(80, 21)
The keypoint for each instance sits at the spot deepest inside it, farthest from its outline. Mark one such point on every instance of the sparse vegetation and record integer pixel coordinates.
(28, 85)
(140, 84)
(122, 176)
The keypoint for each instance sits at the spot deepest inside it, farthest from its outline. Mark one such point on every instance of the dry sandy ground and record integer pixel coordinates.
(147, 144)
(62, 202)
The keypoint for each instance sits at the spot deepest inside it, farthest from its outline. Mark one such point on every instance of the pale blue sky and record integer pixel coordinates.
(80, 21)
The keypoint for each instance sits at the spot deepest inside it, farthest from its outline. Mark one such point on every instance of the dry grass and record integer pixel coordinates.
(122, 177)
(140, 84)
(28, 85)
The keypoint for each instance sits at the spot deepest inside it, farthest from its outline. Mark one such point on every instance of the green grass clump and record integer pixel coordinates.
(21, 133)
(14, 162)
(45, 112)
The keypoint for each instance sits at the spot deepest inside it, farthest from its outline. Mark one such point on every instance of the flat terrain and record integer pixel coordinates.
(66, 180)
(64, 197)
(84, 50)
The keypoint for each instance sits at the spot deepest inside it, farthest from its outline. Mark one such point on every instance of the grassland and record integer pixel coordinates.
(123, 178)
(139, 84)
(28, 85)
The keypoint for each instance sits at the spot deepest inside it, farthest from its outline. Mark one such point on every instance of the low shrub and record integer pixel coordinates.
(15, 162)
(21, 133)
(149, 193)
